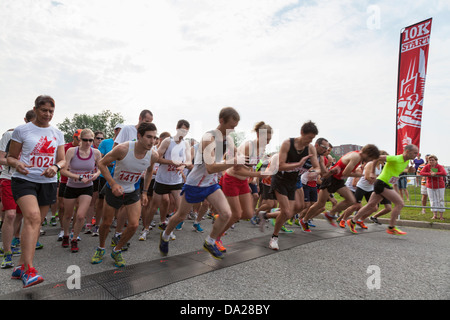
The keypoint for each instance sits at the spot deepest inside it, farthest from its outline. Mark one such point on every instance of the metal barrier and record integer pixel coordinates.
(414, 187)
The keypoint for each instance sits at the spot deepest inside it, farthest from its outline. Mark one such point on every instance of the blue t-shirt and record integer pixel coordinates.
(105, 147)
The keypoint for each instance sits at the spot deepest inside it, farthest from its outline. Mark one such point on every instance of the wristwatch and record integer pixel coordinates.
(80, 178)
(57, 166)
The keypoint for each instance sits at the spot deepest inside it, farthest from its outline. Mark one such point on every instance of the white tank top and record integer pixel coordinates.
(364, 184)
(167, 173)
(199, 176)
(129, 170)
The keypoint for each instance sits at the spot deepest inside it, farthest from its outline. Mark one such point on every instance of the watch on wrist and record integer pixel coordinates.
(57, 166)
(80, 178)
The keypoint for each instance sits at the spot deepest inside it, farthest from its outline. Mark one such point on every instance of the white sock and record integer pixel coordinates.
(210, 240)
(165, 236)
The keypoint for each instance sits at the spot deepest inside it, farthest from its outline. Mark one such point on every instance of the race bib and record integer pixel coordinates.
(41, 161)
(130, 177)
(393, 180)
(83, 175)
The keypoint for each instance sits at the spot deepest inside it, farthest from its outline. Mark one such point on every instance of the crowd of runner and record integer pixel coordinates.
(142, 175)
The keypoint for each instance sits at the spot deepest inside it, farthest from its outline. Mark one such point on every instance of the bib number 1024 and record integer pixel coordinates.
(41, 161)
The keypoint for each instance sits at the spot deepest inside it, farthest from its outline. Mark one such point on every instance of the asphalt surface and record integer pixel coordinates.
(336, 267)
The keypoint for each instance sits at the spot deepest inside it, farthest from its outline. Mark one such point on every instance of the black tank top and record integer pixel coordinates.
(293, 155)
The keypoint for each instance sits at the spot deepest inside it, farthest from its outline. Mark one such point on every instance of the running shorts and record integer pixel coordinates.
(194, 194)
(233, 187)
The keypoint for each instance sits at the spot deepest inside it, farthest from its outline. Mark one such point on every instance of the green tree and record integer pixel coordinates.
(104, 121)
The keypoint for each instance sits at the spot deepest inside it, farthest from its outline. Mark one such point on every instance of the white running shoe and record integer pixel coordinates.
(143, 235)
(273, 244)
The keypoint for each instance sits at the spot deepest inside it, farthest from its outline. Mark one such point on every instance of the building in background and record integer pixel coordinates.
(339, 151)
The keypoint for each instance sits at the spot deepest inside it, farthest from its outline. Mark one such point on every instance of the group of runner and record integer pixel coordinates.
(139, 172)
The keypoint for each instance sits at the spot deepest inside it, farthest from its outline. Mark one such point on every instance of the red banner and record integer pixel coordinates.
(414, 44)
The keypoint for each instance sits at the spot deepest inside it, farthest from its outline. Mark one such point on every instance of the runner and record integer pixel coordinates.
(37, 154)
(364, 189)
(81, 169)
(395, 165)
(147, 215)
(334, 181)
(63, 183)
(309, 180)
(90, 215)
(132, 159)
(12, 217)
(293, 155)
(202, 182)
(235, 181)
(174, 156)
(129, 132)
(104, 147)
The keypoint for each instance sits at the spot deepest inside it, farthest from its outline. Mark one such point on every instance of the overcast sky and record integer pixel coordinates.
(281, 61)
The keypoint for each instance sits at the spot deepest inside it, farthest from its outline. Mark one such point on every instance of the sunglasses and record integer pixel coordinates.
(87, 140)
(99, 138)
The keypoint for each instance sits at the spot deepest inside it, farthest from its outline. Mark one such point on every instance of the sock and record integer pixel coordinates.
(274, 236)
(210, 240)
(165, 237)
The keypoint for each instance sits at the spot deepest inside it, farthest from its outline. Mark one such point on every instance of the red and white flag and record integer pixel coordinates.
(414, 45)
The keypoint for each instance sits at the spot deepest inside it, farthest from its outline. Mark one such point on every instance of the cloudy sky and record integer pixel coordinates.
(281, 61)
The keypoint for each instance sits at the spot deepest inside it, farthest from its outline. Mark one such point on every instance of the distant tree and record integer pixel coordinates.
(104, 121)
(238, 137)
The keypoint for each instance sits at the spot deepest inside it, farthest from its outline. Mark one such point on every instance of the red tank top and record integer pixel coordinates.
(341, 165)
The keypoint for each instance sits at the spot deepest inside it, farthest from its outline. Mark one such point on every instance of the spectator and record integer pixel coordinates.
(435, 174)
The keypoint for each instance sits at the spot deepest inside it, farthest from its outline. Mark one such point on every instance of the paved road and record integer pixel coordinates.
(330, 263)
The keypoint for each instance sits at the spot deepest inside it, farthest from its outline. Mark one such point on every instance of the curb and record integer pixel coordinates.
(410, 223)
(419, 224)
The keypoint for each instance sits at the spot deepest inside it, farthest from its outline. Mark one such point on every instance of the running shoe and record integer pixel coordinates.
(95, 231)
(361, 224)
(53, 221)
(74, 246)
(329, 218)
(289, 222)
(143, 235)
(16, 251)
(213, 250)
(220, 246)
(31, 278)
(119, 262)
(283, 228)
(98, 256)
(254, 220)
(18, 272)
(115, 240)
(39, 245)
(273, 243)
(179, 226)
(197, 227)
(15, 242)
(375, 220)
(395, 231)
(163, 246)
(162, 226)
(311, 224)
(60, 235)
(65, 242)
(88, 228)
(351, 226)
(7, 260)
(342, 223)
(305, 226)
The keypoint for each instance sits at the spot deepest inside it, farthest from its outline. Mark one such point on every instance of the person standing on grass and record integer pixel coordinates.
(435, 174)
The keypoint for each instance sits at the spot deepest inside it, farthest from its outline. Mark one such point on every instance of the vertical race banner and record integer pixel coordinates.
(413, 57)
